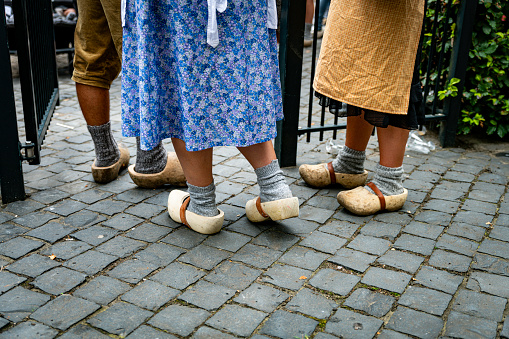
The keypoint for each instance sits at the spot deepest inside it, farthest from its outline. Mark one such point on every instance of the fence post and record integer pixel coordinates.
(11, 172)
(458, 69)
(290, 63)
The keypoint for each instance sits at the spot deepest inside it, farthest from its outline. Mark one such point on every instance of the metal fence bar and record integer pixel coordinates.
(458, 69)
(290, 60)
(11, 173)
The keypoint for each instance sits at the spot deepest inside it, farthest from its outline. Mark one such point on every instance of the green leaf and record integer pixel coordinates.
(486, 29)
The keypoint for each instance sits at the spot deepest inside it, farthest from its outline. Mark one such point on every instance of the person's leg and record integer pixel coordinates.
(197, 168)
(324, 5)
(310, 11)
(270, 178)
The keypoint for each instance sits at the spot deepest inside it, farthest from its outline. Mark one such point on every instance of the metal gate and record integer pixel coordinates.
(436, 36)
(39, 88)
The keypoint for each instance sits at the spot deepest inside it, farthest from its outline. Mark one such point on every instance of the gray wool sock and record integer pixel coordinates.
(272, 182)
(307, 31)
(349, 161)
(388, 180)
(106, 149)
(149, 162)
(203, 200)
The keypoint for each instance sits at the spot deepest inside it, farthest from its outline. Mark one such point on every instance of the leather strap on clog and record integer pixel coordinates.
(332, 174)
(260, 209)
(183, 209)
(378, 193)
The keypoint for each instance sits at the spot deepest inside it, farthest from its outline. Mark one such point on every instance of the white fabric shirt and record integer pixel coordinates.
(215, 6)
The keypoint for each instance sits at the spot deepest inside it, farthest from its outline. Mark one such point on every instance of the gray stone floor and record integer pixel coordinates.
(82, 260)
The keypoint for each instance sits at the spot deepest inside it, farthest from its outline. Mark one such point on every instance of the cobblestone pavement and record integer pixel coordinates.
(82, 260)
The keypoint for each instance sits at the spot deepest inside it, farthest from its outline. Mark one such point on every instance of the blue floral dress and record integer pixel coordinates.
(176, 85)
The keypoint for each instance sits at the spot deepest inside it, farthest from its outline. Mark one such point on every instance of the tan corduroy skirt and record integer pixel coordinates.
(368, 53)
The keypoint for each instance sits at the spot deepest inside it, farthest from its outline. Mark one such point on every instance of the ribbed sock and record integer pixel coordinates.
(203, 200)
(349, 161)
(307, 32)
(388, 180)
(106, 149)
(272, 182)
(153, 161)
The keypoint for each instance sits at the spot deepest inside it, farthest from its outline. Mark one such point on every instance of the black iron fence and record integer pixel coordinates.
(39, 86)
(438, 52)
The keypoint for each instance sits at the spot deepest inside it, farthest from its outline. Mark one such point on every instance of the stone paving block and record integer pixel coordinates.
(59, 280)
(387, 279)
(348, 324)
(244, 226)
(118, 186)
(239, 200)
(505, 330)
(95, 235)
(381, 230)
(311, 304)
(344, 215)
(18, 247)
(296, 226)
(189, 319)
(489, 283)
(9, 231)
(150, 295)
(83, 219)
(469, 169)
(81, 331)
(204, 257)
(228, 241)
(437, 279)
(303, 192)
(145, 211)
(466, 231)
(415, 196)
(32, 265)
(418, 185)
(330, 280)
(323, 242)
(64, 311)
(403, 320)
(450, 261)
(370, 245)
(328, 203)
(401, 260)
(19, 302)
(503, 219)
(493, 178)
(434, 218)
(5, 217)
(102, 290)
(426, 300)
(447, 194)
(484, 196)
(145, 332)
(67, 249)
(229, 187)
(276, 240)
(232, 213)
(282, 324)
(49, 196)
(23, 207)
(494, 247)
(137, 195)
(319, 215)
(262, 297)
(159, 254)
(108, 207)
(257, 256)
(473, 218)
(123, 222)
(90, 262)
(91, 196)
(164, 219)
(121, 246)
(235, 319)
(414, 244)
(9, 281)
(343, 229)
(435, 168)
(388, 334)
(29, 329)
(206, 332)
(425, 176)
(185, 238)
(455, 186)
(148, 232)
(457, 245)
(33, 220)
(304, 258)
(160, 199)
(66, 207)
(373, 303)
(460, 325)
(120, 319)
(487, 187)
(500, 233)
(491, 264)
(442, 205)
(286, 276)
(51, 232)
(354, 260)
(459, 176)
(178, 276)
(132, 271)
(479, 305)
(479, 206)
